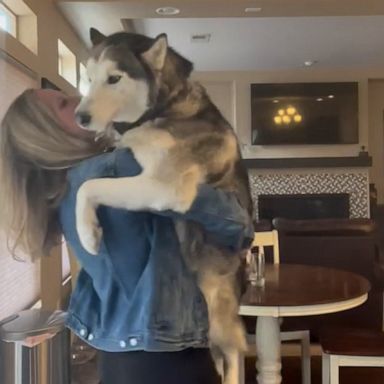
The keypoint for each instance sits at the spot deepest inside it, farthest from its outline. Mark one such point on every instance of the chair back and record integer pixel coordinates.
(268, 239)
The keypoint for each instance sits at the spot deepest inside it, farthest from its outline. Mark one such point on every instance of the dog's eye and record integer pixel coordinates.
(114, 79)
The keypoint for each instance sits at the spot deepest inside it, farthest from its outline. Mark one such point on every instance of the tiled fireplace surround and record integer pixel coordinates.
(354, 181)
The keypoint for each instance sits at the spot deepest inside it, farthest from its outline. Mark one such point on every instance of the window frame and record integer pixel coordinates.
(66, 63)
(11, 20)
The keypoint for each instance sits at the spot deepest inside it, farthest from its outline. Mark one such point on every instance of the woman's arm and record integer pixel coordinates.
(220, 214)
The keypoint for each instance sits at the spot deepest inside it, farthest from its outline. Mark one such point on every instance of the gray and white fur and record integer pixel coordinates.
(181, 140)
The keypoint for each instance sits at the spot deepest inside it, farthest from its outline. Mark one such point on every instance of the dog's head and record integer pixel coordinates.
(129, 74)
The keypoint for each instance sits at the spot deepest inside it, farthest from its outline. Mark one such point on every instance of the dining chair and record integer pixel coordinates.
(350, 348)
(271, 239)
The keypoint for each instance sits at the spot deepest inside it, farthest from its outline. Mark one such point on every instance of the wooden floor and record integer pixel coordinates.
(87, 373)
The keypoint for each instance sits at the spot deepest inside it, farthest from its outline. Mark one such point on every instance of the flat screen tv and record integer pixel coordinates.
(305, 113)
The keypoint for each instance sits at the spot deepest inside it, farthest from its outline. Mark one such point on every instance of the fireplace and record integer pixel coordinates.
(352, 182)
(304, 206)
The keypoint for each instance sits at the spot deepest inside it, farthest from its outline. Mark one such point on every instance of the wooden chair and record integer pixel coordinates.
(350, 348)
(271, 239)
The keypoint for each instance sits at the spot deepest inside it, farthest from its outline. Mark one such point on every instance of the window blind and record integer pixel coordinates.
(19, 281)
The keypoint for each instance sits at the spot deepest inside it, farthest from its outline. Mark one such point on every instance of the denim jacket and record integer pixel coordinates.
(137, 293)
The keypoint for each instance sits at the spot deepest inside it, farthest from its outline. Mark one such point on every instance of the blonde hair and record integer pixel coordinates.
(35, 154)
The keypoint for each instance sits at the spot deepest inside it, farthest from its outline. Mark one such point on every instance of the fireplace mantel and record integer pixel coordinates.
(309, 162)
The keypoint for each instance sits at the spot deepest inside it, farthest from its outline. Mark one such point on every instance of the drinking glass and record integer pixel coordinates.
(256, 267)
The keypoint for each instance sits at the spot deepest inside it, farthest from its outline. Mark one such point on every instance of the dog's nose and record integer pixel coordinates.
(83, 118)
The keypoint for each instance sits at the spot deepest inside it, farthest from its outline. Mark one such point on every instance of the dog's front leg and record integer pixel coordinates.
(131, 193)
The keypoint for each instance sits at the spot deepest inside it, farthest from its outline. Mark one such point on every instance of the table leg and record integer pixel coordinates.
(268, 346)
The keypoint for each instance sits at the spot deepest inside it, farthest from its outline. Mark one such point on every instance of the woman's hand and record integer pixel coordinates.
(32, 341)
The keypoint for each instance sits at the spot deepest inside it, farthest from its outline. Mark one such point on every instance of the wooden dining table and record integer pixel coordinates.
(295, 290)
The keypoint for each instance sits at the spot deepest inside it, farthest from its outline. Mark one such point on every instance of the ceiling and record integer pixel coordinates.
(284, 34)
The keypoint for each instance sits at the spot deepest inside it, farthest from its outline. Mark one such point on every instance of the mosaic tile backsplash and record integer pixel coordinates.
(354, 183)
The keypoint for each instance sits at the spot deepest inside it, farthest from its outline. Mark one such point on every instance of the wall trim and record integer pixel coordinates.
(309, 162)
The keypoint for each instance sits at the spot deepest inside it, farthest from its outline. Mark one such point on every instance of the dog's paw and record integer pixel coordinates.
(87, 225)
(90, 237)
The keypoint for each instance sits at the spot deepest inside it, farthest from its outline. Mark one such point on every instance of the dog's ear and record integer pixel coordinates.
(96, 36)
(156, 54)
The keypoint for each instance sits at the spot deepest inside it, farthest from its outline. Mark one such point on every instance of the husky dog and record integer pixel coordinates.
(181, 140)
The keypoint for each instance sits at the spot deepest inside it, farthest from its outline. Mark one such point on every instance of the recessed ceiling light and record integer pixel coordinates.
(252, 9)
(275, 101)
(167, 11)
(319, 99)
(309, 63)
(331, 96)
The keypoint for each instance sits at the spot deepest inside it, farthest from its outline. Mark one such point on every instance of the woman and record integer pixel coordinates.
(136, 297)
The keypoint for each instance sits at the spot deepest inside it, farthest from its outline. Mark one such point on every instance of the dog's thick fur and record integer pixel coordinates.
(181, 140)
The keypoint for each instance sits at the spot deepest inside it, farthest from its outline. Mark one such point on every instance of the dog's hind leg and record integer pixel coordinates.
(218, 359)
(226, 331)
(231, 367)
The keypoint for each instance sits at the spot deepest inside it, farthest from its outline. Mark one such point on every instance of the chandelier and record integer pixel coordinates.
(287, 116)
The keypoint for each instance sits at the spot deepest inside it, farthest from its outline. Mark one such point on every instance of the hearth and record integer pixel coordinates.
(304, 206)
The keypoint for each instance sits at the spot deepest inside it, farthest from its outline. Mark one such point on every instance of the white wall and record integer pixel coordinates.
(371, 110)
(222, 94)
(242, 108)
